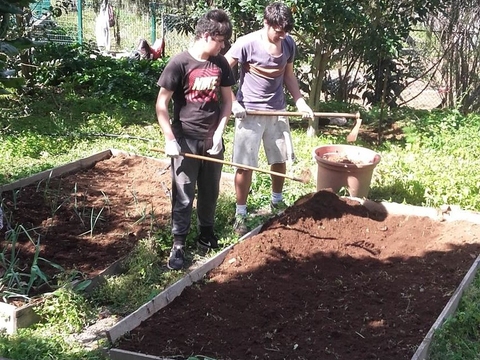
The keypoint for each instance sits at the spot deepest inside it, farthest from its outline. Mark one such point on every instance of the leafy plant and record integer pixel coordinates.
(15, 281)
(11, 46)
(44, 344)
(458, 337)
(67, 310)
(83, 67)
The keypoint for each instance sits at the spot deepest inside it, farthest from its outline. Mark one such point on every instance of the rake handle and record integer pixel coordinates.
(299, 113)
(351, 137)
(241, 166)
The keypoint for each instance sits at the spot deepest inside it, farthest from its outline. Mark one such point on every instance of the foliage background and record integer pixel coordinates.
(65, 102)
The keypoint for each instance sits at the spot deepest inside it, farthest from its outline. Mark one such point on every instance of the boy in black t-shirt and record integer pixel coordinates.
(196, 80)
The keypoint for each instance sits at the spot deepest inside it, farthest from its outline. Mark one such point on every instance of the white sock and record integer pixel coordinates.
(241, 210)
(276, 197)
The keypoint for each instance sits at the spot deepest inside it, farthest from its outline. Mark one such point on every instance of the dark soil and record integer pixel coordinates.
(131, 194)
(58, 214)
(326, 280)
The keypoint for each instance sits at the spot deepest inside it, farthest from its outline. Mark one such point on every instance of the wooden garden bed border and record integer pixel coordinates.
(168, 295)
(12, 317)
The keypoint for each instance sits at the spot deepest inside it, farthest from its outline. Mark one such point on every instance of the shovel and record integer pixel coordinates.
(306, 175)
(350, 137)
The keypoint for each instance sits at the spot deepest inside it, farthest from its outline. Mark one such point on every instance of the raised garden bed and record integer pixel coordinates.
(331, 278)
(86, 216)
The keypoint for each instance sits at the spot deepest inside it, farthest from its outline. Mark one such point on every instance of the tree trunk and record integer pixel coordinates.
(319, 66)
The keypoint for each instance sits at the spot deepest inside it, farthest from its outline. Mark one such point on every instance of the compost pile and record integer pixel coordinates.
(325, 280)
(341, 159)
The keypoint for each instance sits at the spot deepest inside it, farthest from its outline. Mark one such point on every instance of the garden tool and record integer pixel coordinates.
(351, 137)
(305, 178)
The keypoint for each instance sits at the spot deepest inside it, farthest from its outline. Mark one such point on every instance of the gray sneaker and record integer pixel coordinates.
(240, 226)
(279, 207)
(176, 258)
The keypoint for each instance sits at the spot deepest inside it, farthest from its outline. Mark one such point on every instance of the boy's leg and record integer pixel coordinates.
(277, 144)
(248, 137)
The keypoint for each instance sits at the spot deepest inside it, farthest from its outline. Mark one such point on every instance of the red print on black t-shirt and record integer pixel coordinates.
(203, 85)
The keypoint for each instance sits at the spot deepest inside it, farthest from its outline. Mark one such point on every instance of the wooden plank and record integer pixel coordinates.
(449, 309)
(59, 170)
(96, 281)
(26, 316)
(145, 311)
(8, 318)
(116, 354)
(169, 294)
(452, 214)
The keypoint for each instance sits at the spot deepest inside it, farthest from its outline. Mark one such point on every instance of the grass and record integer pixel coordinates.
(457, 339)
(64, 126)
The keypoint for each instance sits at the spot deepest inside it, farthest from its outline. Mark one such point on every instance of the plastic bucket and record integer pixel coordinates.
(345, 166)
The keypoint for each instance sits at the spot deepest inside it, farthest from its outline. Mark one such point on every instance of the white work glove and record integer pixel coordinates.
(238, 110)
(304, 108)
(217, 143)
(172, 148)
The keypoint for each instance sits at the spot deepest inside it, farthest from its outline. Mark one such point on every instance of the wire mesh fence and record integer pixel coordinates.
(68, 22)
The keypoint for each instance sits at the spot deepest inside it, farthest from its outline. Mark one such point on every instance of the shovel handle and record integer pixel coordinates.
(299, 113)
(240, 166)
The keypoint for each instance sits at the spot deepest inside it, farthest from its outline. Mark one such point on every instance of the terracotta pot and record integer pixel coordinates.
(345, 166)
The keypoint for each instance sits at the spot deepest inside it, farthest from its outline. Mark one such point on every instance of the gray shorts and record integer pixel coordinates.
(249, 133)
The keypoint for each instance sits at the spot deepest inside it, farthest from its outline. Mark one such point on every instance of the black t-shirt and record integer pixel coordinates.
(196, 93)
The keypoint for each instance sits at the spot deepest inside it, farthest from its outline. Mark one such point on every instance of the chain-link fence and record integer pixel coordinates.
(71, 21)
(67, 21)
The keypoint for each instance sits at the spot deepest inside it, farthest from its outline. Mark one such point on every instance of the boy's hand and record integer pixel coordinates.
(238, 110)
(172, 148)
(217, 143)
(303, 107)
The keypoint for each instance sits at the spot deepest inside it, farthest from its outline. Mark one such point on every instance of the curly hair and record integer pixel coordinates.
(216, 23)
(278, 14)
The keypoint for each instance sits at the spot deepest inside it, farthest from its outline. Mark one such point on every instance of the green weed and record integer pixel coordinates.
(66, 310)
(457, 338)
(143, 278)
(44, 344)
(87, 105)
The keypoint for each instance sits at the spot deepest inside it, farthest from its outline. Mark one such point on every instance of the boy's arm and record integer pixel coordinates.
(237, 109)
(291, 83)
(225, 109)
(172, 148)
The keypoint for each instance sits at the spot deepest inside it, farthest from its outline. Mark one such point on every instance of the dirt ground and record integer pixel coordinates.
(326, 280)
(124, 198)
